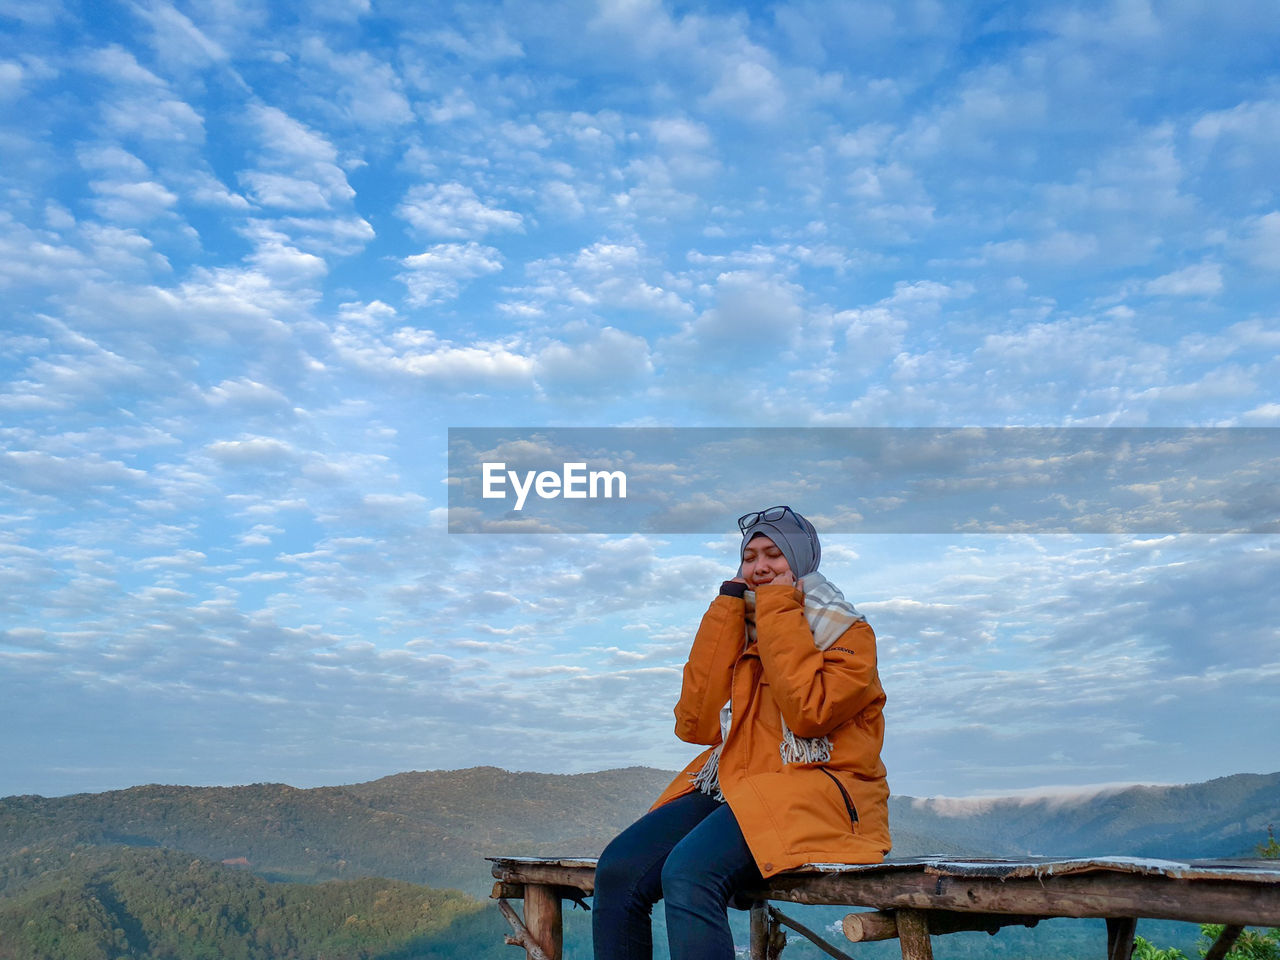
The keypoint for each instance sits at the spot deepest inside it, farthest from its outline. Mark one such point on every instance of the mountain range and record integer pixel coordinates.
(436, 827)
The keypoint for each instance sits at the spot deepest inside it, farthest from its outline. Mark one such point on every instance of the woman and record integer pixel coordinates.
(792, 774)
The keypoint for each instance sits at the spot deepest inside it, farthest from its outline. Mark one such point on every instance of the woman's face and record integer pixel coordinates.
(763, 562)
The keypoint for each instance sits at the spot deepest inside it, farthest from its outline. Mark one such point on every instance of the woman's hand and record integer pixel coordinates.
(785, 577)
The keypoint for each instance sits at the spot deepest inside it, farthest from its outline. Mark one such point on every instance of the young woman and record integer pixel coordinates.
(781, 683)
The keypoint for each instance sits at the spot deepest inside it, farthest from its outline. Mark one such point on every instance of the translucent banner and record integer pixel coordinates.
(868, 480)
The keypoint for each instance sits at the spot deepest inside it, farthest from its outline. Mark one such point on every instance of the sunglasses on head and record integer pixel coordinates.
(770, 515)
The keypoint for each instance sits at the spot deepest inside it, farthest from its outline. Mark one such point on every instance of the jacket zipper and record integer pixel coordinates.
(848, 803)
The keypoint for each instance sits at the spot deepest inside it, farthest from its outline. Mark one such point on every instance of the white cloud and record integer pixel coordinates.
(1254, 121)
(119, 251)
(208, 308)
(254, 452)
(1197, 280)
(277, 259)
(454, 210)
(526, 135)
(247, 395)
(603, 364)
(454, 105)
(344, 236)
(1060, 248)
(747, 85)
(302, 171)
(755, 315)
(145, 106)
(866, 142)
(154, 119)
(420, 354)
(438, 273)
(118, 65)
(1267, 414)
(136, 202)
(562, 199)
(681, 134)
(485, 41)
(112, 159)
(279, 190)
(71, 477)
(177, 39)
(1260, 243)
(598, 278)
(208, 190)
(370, 91)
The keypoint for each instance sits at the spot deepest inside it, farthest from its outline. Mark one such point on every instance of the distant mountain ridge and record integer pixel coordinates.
(436, 827)
(1224, 817)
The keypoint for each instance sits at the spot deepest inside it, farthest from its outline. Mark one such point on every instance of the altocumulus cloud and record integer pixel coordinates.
(256, 265)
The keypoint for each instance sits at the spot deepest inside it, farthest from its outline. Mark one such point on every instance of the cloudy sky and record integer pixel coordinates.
(257, 259)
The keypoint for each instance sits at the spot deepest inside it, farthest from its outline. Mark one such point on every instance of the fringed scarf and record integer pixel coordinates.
(829, 616)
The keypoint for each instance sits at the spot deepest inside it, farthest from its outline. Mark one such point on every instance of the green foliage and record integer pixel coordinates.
(1270, 849)
(1252, 944)
(114, 903)
(1144, 949)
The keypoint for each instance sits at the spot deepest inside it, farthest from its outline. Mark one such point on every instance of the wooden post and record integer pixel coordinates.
(542, 917)
(874, 925)
(758, 949)
(913, 934)
(1120, 933)
(521, 937)
(881, 924)
(1226, 940)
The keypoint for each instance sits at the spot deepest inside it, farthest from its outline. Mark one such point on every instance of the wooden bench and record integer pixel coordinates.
(914, 899)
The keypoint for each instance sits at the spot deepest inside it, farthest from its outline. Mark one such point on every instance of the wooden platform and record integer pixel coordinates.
(914, 899)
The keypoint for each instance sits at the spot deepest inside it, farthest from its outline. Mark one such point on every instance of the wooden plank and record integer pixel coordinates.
(913, 934)
(544, 919)
(1223, 944)
(1120, 934)
(1098, 894)
(550, 874)
(1083, 895)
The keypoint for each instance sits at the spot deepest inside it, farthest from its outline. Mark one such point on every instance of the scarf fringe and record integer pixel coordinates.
(803, 749)
(708, 778)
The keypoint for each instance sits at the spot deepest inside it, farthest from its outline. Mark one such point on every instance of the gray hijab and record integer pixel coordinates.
(797, 539)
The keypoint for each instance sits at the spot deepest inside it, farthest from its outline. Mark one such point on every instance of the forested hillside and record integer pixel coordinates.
(196, 872)
(107, 903)
(433, 828)
(436, 827)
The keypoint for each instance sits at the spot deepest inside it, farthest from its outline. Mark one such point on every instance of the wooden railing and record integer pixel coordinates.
(914, 900)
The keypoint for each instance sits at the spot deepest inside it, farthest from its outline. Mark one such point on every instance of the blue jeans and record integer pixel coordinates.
(689, 852)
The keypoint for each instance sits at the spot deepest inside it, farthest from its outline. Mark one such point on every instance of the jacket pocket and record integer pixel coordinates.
(848, 801)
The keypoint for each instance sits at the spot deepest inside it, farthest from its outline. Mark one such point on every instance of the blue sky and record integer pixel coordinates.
(256, 260)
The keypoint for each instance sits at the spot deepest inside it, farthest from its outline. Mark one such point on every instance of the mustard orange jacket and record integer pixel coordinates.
(796, 813)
